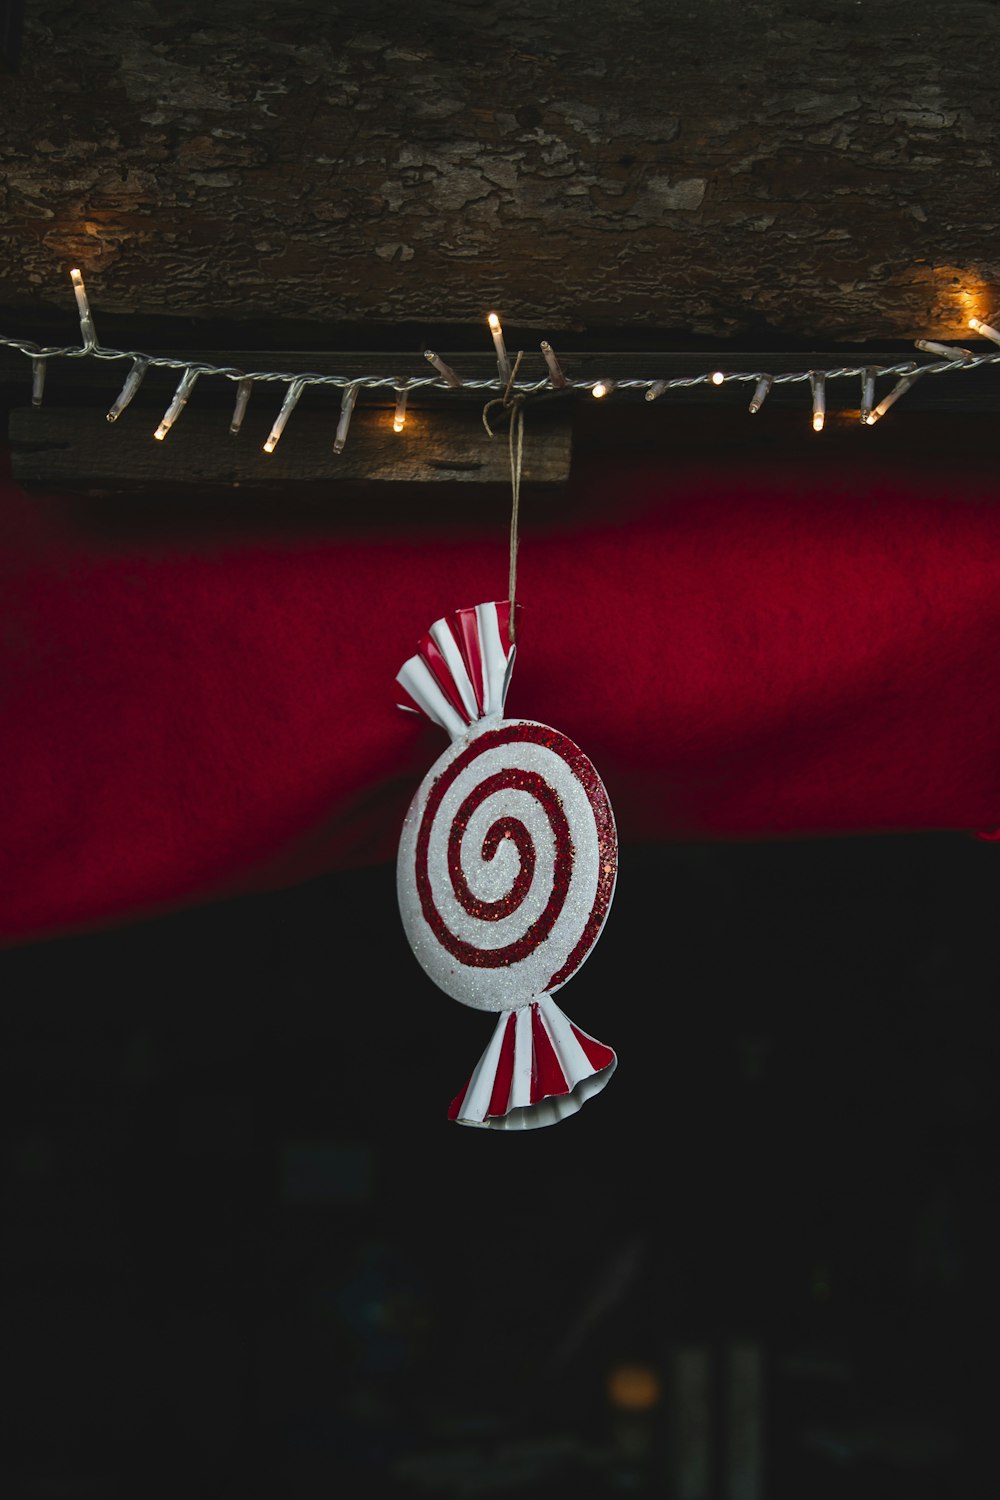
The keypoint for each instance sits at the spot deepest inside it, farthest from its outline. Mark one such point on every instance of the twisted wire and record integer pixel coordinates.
(525, 388)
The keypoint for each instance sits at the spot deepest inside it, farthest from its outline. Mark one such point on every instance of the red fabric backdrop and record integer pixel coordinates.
(786, 650)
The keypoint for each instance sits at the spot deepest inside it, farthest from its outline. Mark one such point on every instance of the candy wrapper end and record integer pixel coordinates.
(538, 1069)
(462, 668)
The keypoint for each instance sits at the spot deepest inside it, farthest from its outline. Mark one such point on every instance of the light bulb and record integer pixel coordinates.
(38, 367)
(760, 394)
(83, 308)
(399, 417)
(817, 379)
(295, 389)
(133, 380)
(946, 351)
(443, 370)
(346, 408)
(503, 362)
(243, 389)
(178, 404)
(985, 329)
(556, 376)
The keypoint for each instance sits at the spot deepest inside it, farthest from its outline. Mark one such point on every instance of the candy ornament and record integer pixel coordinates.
(506, 870)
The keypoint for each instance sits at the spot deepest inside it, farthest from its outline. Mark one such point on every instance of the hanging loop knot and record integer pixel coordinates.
(514, 403)
(508, 401)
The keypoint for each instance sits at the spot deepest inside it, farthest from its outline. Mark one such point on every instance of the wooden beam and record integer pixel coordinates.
(817, 170)
(55, 448)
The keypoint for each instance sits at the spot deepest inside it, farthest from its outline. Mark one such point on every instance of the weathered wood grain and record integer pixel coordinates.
(819, 168)
(74, 449)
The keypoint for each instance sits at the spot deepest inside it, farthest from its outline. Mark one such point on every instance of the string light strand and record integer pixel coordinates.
(951, 360)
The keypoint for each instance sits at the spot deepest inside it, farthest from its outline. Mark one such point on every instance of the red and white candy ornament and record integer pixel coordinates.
(506, 870)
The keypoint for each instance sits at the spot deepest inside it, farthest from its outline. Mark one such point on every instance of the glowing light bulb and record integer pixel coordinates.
(985, 329)
(178, 404)
(634, 1387)
(503, 360)
(295, 389)
(399, 417)
(718, 377)
(602, 388)
(868, 394)
(83, 308)
(817, 379)
(899, 389)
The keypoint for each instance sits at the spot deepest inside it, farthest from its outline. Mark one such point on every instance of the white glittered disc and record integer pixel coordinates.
(507, 864)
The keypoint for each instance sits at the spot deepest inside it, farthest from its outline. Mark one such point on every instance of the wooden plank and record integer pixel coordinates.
(74, 449)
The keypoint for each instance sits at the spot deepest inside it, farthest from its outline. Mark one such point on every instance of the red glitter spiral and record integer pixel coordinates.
(507, 826)
(503, 828)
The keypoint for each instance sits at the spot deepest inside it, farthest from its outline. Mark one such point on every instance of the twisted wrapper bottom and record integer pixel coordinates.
(538, 1069)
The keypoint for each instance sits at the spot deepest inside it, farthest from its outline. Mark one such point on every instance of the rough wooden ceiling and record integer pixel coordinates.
(813, 170)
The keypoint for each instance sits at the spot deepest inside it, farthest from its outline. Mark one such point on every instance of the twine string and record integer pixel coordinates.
(515, 447)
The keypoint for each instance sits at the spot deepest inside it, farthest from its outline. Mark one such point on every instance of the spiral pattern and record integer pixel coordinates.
(507, 865)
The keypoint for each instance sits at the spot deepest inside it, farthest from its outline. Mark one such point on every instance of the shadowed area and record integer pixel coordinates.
(244, 1253)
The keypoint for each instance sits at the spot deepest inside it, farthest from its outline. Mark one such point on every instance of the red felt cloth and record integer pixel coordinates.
(741, 653)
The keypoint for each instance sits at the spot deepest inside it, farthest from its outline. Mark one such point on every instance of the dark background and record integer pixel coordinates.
(244, 1253)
